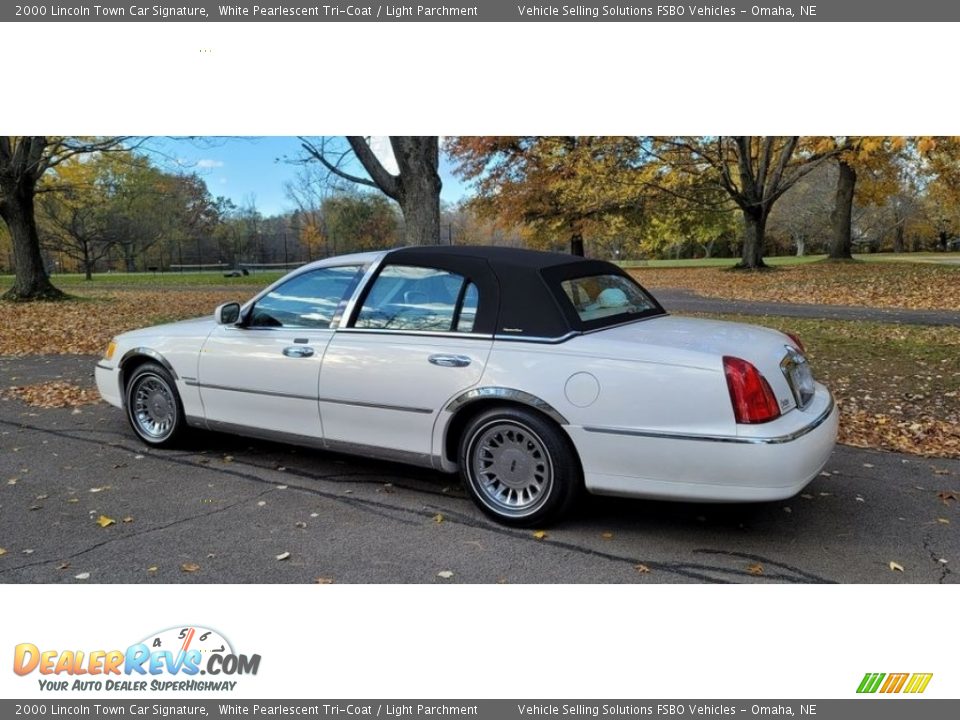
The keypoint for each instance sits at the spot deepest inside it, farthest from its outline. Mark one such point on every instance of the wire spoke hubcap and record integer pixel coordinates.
(511, 468)
(154, 407)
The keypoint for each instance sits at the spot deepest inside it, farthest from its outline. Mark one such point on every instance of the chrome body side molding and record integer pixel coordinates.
(775, 440)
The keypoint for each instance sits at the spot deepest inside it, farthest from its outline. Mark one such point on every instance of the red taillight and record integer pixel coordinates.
(753, 400)
(796, 342)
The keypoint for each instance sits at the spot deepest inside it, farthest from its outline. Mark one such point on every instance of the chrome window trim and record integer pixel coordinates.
(509, 394)
(739, 439)
(537, 339)
(415, 333)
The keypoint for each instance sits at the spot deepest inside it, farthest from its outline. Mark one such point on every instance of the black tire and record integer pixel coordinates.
(153, 406)
(519, 467)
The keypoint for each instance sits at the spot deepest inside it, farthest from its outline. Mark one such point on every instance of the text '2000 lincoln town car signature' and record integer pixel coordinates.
(535, 375)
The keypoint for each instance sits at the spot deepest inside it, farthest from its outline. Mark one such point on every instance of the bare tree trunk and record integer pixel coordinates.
(419, 201)
(32, 281)
(841, 239)
(87, 262)
(801, 241)
(576, 243)
(754, 234)
(898, 238)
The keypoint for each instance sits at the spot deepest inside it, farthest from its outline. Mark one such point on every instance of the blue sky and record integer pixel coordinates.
(239, 168)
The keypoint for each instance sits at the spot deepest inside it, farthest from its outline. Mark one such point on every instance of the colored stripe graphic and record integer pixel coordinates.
(918, 683)
(894, 683)
(870, 682)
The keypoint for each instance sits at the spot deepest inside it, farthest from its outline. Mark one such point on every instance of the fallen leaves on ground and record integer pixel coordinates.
(755, 569)
(2, 552)
(895, 566)
(885, 285)
(445, 574)
(641, 568)
(323, 581)
(540, 535)
(438, 518)
(86, 324)
(283, 556)
(947, 496)
(190, 567)
(104, 521)
(82, 576)
(53, 394)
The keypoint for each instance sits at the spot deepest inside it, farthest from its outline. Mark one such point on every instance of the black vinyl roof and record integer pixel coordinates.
(520, 294)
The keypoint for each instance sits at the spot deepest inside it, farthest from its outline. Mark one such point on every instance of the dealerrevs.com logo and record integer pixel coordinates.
(172, 659)
(909, 683)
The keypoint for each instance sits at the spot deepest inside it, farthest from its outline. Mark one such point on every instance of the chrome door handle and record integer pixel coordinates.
(449, 360)
(298, 351)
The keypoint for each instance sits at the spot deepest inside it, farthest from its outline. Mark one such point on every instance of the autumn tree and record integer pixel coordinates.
(559, 187)
(356, 222)
(73, 217)
(24, 160)
(755, 171)
(415, 186)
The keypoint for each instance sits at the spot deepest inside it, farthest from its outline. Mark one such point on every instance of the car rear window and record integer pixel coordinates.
(606, 299)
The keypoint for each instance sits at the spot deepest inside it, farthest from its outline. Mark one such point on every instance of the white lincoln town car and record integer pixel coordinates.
(534, 375)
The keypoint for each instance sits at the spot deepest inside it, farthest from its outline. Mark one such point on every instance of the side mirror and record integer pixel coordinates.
(227, 314)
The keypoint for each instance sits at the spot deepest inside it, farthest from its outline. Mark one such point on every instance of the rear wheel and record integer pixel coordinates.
(519, 467)
(153, 405)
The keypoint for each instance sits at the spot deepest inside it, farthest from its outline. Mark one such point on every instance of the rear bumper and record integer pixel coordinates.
(108, 383)
(765, 462)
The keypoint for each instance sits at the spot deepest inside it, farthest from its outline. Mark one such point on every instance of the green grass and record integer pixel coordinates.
(787, 260)
(149, 280)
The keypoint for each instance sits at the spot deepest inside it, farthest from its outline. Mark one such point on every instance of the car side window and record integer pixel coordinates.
(417, 298)
(306, 301)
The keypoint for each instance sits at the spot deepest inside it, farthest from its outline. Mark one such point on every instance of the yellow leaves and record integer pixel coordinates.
(3, 551)
(190, 567)
(438, 518)
(104, 521)
(926, 145)
(540, 535)
(641, 568)
(84, 327)
(895, 566)
(755, 569)
(54, 394)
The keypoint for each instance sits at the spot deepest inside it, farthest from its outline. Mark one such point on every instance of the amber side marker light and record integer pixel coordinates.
(111, 349)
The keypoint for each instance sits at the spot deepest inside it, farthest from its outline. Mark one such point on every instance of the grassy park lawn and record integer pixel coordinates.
(898, 386)
(887, 284)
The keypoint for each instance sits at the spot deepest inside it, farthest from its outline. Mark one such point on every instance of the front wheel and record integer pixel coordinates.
(519, 467)
(153, 405)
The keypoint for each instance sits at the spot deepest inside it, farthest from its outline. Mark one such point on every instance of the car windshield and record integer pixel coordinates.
(606, 297)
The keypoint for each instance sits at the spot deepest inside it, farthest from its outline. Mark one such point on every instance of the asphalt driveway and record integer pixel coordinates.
(224, 509)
